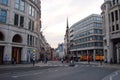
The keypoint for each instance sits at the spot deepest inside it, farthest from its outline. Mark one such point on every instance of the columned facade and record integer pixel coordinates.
(111, 25)
(19, 30)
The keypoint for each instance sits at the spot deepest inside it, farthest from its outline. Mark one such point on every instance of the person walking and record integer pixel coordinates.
(62, 60)
(6, 59)
(14, 61)
(88, 59)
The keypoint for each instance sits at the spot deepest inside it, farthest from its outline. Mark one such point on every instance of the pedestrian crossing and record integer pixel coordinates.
(57, 65)
(89, 66)
(67, 65)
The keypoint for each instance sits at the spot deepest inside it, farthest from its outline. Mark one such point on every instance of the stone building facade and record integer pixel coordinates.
(20, 27)
(111, 25)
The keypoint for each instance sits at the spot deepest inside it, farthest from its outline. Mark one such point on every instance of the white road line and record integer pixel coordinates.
(76, 65)
(111, 76)
(14, 76)
(56, 70)
(17, 76)
(115, 74)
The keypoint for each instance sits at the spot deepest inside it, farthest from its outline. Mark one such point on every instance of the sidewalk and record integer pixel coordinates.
(24, 65)
(117, 66)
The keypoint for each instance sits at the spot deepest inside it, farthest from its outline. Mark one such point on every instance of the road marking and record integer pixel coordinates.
(76, 65)
(14, 76)
(17, 76)
(56, 70)
(111, 76)
(115, 74)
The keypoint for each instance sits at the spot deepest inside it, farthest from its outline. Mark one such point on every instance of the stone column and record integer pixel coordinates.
(110, 52)
(8, 53)
(118, 53)
(24, 54)
(118, 58)
(87, 55)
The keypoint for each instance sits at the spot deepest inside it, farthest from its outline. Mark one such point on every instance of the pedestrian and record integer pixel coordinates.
(100, 62)
(46, 59)
(14, 61)
(88, 59)
(62, 60)
(41, 57)
(6, 59)
(111, 61)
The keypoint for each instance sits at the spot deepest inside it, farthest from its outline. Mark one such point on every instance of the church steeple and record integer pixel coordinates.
(67, 38)
(67, 23)
(67, 27)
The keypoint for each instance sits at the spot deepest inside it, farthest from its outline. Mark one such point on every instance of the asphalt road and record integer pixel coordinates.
(78, 72)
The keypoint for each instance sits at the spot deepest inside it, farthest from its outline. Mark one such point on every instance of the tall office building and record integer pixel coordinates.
(111, 25)
(86, 38)
(19, 30)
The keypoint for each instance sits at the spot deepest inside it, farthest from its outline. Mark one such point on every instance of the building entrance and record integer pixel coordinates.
(1, 54)
(116, 53)
(16, 54)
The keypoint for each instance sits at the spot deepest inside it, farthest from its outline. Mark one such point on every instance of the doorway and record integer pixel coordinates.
(1, 54)
(16, 54)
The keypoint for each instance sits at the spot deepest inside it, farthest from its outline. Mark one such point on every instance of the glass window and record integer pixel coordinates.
(31, 11)
(28, 38)
(31, 25)
(21, 21)
(113, 28)
(3, 14)
(20, 5)
(116, 15)
(117, 27)
(112, 16)
(17, 4)
(16, 19)
(4, 2)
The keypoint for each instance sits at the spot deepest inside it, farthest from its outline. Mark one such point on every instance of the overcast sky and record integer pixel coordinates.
(55, 13)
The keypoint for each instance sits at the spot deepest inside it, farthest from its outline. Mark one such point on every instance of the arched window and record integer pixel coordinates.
(1, 37)
(17, 38)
